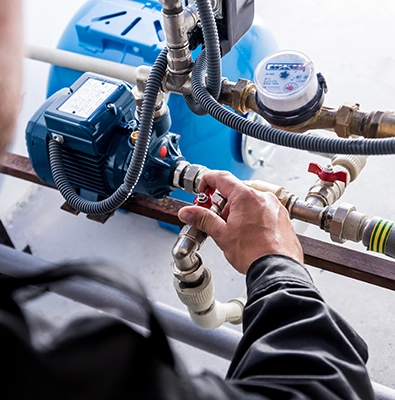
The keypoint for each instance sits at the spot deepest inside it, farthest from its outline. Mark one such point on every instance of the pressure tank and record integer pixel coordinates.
(131, 32)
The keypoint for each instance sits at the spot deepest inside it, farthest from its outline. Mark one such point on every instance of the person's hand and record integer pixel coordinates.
(253, 224)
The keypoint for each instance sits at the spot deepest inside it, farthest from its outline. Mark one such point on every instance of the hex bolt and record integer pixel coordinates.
(202, 198)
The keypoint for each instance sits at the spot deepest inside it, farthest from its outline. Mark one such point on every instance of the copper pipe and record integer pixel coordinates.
(346, 121)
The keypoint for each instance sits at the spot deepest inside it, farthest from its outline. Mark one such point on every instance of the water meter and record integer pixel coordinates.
(289, 91)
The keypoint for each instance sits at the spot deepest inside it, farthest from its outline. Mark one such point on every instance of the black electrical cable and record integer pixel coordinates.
(277, 136)
(137, 162)
(213, 53)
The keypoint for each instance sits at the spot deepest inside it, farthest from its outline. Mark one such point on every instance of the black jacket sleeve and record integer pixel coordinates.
(294, 345)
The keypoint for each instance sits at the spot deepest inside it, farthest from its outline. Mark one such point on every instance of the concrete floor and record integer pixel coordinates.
(350, 44)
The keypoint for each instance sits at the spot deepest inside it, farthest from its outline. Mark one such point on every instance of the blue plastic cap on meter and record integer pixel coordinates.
(286, 81)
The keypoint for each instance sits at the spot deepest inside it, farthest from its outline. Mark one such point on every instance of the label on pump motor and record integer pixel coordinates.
(88, 98)
(286, 81)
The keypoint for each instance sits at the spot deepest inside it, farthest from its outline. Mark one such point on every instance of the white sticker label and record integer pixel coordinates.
(285, 77)
(88, 98)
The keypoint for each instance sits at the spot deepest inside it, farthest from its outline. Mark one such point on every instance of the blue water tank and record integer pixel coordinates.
(131, 32)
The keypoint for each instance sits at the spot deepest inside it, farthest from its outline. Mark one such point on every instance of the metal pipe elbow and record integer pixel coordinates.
(185, 250)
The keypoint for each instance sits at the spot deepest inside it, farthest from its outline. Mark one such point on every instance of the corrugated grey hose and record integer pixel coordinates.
(213, 53)
(277, 136)
(138, 158)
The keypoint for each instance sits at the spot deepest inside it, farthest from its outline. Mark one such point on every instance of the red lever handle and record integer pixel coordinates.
(341, 176)
(204, 199)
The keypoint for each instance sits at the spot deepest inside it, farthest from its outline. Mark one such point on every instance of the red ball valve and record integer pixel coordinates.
(328, 174)
(204, 199)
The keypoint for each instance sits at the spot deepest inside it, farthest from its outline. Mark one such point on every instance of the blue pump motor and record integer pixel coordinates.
(94, 120)
(130, 32)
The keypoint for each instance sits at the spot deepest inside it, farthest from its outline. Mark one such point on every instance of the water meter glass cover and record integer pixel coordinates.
(286, 81)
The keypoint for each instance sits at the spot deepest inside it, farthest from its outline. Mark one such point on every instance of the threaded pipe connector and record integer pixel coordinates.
(199, 298)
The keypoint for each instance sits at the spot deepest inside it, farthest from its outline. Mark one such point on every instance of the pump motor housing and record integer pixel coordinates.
(94, 120)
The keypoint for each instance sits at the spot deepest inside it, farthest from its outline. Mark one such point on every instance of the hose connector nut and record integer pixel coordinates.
(191, 276)
(200, 298)
(338, 220)
(178, 173)
(192, 177)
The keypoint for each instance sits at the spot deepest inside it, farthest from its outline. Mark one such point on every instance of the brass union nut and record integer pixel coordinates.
(240, 94)
(343, 118)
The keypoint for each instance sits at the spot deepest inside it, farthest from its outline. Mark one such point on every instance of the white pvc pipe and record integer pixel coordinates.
(79, 62)
(220, 312)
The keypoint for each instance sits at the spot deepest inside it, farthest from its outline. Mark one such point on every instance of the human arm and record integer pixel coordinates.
(294, 345)
(293, 341)
(11, 45)
(252, 224)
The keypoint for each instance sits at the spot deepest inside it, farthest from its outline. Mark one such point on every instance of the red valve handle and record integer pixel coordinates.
(204, 199)
(341, 176)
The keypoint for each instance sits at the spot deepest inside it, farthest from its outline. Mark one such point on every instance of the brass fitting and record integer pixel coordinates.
(344, 117)
(133, 137)
(347, 121)
(241, 94)
(380, 124)
(351, 121)
(324, 119)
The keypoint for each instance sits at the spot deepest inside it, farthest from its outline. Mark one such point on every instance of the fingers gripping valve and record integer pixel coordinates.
(193, 280)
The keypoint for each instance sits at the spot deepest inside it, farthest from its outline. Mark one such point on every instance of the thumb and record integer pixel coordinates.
(202, 218)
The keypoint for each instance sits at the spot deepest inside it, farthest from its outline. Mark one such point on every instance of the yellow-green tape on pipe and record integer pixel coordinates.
(379, 236)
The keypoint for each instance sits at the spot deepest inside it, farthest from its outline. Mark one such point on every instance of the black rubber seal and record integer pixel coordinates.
(296, 117)
(173, 11)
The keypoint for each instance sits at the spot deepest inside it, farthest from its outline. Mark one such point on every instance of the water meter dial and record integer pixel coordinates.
(289, 91)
